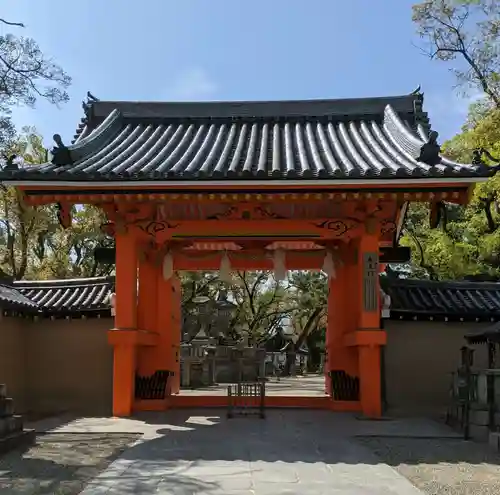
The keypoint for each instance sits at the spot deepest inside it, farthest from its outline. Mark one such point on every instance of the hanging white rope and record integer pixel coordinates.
(168, 267)
(225, 268)
(329, 265)
(279, 260)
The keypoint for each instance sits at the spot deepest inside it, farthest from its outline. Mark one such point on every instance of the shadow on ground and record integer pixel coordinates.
(201, 451)
(60, 463)
(303, 436)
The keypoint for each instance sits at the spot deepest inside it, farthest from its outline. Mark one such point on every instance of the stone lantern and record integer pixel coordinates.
(225, 310)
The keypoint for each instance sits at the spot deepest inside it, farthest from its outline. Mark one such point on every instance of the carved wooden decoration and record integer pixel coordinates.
(340, 228)
(370, 281)
(246, 212)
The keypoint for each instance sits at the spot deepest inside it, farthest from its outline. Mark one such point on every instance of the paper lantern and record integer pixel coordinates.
(168, 267)
(279, 259)
(329, 265)
(225, 268)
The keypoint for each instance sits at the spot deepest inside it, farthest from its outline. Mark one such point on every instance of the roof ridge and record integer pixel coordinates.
(443, 283)
(350, 107)
(62, 282)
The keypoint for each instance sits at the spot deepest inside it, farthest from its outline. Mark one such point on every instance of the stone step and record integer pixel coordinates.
(20, 439)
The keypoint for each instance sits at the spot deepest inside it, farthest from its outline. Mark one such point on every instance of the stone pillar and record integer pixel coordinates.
(122, 336)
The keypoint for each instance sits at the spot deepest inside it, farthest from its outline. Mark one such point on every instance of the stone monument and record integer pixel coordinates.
(12, 432)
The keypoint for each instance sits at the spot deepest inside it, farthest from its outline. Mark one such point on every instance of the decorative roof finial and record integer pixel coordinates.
(91, 97)
(60, 153)
(10, 164)
(417, 91)
(430, 151)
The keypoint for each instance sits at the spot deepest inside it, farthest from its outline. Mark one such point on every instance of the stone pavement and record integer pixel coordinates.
(291, 452)
(299, 386)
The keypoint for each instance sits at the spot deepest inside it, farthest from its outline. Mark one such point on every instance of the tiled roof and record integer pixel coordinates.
(451, 299)
(409, 298)
(366, 138)
(12, 299)
(67, 296)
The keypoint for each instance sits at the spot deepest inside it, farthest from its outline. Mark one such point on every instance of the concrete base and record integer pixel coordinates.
(17, 440)
(494, 441)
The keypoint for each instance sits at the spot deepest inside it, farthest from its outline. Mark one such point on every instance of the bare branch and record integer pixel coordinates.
(8, 23)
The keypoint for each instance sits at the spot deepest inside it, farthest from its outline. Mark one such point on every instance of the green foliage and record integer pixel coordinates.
(465, 35)
(32, 243)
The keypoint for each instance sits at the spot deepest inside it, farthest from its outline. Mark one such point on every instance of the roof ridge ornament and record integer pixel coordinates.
(10, 163)
(430, 152)
(417, 91)
(60, 153)
(86, 105)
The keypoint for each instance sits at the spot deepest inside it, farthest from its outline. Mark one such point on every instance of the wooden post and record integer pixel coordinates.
(336, 324)
(369, 335)
(341, 308)
(165, 357)
(147, 310)
(124, 358)
(176, 333)
(126, 282)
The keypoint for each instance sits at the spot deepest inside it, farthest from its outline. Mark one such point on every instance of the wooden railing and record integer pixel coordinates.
(153, 387)
(246, 398)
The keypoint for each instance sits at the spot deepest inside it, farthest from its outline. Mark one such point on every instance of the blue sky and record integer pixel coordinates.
(231, 50)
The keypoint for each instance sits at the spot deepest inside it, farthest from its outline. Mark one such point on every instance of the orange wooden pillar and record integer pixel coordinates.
(368, 336)
(164, 355)
(342, 306)
(336, 324)
(124, 336)
(176, 330)
(147, 310)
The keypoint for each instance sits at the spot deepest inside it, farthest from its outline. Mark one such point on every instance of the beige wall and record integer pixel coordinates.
(419, 357)
(69, 366)
(53, 366)
(13, 358)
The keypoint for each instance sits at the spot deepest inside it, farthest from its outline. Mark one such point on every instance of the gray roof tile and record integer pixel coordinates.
(409, 298)
(67, 296)
(453, 299)
(12, 299)
(370, 138)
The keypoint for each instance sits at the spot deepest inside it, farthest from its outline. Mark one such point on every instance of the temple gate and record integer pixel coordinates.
(306, 185)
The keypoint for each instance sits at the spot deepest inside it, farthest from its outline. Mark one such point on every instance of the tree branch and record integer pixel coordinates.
(8, 23)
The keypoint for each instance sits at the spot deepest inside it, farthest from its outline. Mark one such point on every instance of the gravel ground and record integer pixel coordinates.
(60, 463)
(441, 466)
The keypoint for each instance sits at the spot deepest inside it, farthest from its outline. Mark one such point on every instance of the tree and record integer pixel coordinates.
(464, 33)
(26, 75)
(19, 224)
(260, 299)
(32, 243)
(308, 292)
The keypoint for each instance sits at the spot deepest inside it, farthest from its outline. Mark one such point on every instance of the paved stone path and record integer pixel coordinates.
(300, 386)
(291, 452)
